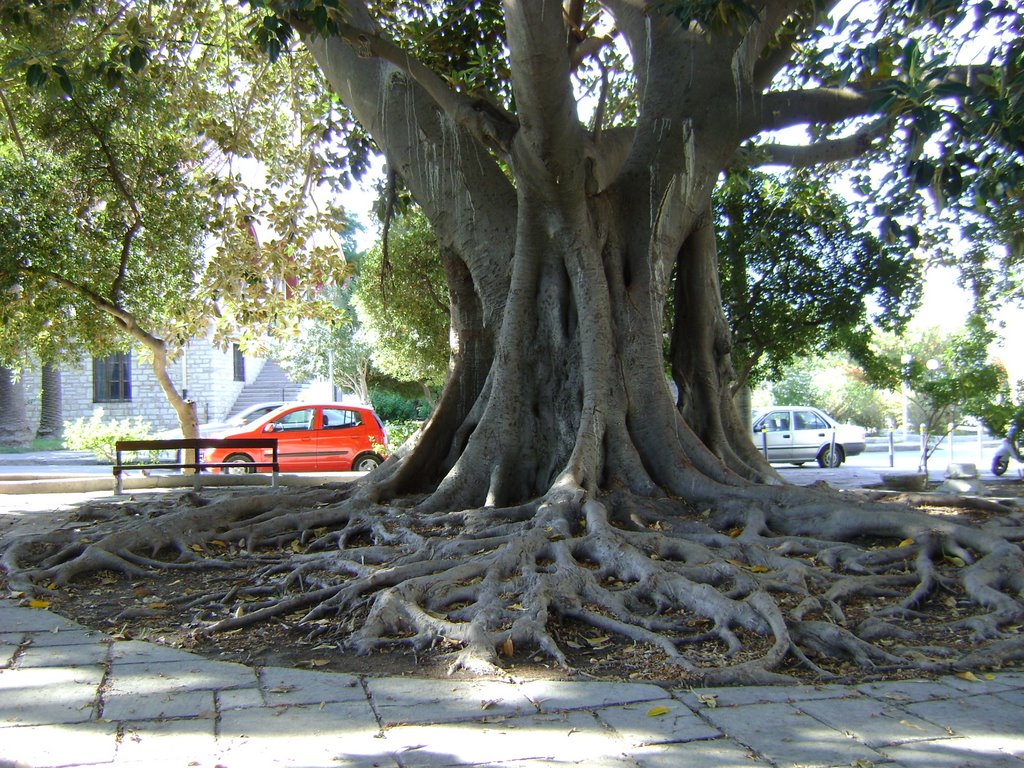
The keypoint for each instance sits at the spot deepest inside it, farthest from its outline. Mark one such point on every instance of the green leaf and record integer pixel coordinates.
(35, 76)
(137, 59)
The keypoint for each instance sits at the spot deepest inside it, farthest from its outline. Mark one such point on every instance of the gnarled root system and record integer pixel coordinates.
(749, 591)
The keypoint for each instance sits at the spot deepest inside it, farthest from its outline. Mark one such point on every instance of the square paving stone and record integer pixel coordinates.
(982, 683)
(282, 685)
(558, 695)
(718, 753)
(17, 619)
(195, 674)
(645, 723)
(785, 736)
(66, 637)
(158, 706)
(568, 737)
(65, 744)
(46, 695)
(899, 691)
(169, 743)
(1014, 697)
(1013, 679)
(607, 761)
(758, 694)
(92, 654)
(7, 654)
(139, 652)
(989, 718)
(871, 722)
(950, 753)
(240, 698)
(412, 700)
(332, 734)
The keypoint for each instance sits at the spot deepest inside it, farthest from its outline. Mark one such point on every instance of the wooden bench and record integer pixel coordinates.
(196, 445)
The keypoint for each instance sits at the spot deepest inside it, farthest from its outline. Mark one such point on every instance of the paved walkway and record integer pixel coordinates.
(74, 697)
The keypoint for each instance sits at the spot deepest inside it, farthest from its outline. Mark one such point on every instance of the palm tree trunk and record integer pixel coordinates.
(51, 410)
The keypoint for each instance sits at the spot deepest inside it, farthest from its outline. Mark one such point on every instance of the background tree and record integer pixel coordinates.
(403, 305)
(558, 480)
(151, 122)
(799, 276)
(337, 352)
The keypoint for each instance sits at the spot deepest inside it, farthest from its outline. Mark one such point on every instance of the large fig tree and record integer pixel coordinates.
(565, 154)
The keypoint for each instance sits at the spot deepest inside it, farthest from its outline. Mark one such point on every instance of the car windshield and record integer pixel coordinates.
(249, 416)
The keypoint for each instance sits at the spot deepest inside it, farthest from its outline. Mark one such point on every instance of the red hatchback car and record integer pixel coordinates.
(325, 437)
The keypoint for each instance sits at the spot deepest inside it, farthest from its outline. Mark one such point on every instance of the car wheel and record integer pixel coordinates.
(243, 464)
(999, 465)
(829, 458)
(366, 462)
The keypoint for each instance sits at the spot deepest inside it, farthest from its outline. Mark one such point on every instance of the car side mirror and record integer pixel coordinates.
(269, 428)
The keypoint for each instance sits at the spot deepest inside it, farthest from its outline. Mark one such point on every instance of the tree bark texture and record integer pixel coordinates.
(51, 408)
(14, 428)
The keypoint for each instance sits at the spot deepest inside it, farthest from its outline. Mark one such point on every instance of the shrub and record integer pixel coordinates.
(99, 436)
(399, 431)
(391, 406)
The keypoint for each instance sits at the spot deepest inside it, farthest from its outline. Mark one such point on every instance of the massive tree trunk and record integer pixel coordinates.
(559, 480)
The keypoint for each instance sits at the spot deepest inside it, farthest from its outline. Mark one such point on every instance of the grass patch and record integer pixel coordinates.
(44, 444)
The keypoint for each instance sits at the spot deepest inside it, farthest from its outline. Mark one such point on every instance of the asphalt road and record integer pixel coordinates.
(906, 458)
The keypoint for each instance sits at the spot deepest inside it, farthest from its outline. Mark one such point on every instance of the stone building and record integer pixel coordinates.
(220, 381)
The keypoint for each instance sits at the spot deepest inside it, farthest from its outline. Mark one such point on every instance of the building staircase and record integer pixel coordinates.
(272, 383)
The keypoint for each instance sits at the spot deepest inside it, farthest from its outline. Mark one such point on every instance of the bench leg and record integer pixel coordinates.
(118, 484)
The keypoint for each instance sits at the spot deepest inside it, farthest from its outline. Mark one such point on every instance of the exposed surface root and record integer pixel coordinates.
(802, 582)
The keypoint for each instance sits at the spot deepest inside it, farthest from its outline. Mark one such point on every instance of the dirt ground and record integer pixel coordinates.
(172, 608)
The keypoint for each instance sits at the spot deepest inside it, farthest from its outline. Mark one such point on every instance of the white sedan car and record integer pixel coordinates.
(796, 434)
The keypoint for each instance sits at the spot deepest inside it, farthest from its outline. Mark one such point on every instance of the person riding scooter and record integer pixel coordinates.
(1007, 449)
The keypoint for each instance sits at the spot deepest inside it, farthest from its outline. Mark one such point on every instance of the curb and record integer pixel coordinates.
(24, 484)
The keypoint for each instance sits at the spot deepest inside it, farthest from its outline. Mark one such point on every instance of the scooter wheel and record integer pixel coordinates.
(999, 465)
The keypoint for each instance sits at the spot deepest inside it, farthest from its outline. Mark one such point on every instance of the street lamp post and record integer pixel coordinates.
(906, 360)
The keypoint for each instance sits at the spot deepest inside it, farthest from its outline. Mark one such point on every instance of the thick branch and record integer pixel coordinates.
(452, 176)
(541, 79)
(491, 125)
(829, 151)
(820, 105)
(773, 14)
(123, 318)
(123, 187)
(12, 122)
